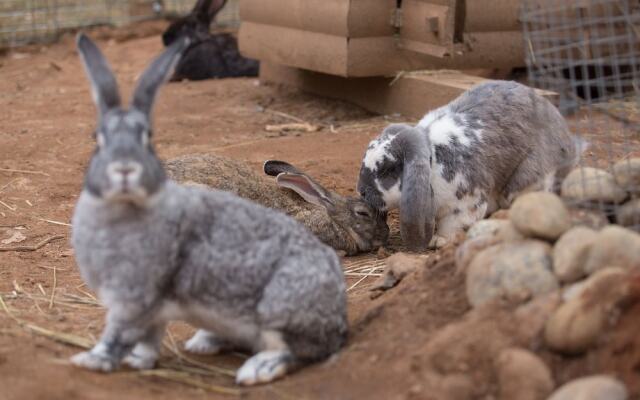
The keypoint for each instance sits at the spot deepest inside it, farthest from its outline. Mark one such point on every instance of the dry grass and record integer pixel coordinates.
(181, 369)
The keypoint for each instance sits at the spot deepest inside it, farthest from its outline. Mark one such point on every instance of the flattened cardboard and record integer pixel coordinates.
(412, 95)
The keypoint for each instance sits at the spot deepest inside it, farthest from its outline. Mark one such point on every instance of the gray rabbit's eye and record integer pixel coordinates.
(363, 213)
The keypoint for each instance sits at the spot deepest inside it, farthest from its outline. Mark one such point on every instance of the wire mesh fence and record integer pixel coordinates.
(588, 52)
(34, 21)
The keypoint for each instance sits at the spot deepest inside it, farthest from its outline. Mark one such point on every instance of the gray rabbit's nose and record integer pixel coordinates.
(119, 170)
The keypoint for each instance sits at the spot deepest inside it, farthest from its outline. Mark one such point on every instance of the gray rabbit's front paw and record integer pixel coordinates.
(264, 367)
(94, 361)
(143, 356)
(204, 342)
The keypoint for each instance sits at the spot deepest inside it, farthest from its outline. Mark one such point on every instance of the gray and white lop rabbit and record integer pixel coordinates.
(154, 251)
(465, 160)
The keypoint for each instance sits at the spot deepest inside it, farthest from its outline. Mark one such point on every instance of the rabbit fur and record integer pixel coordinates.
(248, 276)
(465, 160)
(209, 55)
(347, 224)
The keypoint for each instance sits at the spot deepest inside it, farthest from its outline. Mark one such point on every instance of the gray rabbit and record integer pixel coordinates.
(465, 160)
(154, 251)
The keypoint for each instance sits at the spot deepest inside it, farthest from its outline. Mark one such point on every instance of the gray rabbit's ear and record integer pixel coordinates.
(155, 75)
(309, 190)
(104, 88)
(276, 167)
(417, 209)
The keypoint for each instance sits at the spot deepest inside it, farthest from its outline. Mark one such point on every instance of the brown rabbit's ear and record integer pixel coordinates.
(306, 188)
(276, 167)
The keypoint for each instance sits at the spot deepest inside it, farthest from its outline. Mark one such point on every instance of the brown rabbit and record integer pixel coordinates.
(347, 224)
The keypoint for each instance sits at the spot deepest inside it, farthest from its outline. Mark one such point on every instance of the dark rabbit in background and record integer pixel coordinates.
(209, 55)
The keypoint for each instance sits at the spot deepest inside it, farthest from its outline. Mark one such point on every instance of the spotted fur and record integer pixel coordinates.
(478, 152)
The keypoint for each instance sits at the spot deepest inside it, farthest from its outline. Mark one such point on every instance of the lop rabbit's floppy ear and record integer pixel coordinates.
(306, 188)
(155, 75)
(104, 88)
(417, 208)
(276, 167)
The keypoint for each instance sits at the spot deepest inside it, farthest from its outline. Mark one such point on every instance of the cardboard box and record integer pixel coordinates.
(371, 56)
(362, 38)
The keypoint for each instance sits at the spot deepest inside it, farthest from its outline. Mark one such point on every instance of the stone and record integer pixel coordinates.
(503, 229)
(592, 184)
(533, 315)
(627, 174)
(614, 246)
(594, 219)
(467, 251)
(484, 227)
(540, 215)
(628, 214)
(578, 323)
(483, 234)
(510, 270)
(522, 375)
(397, 267)
(594, 387)
(570, 253)
(503, 213)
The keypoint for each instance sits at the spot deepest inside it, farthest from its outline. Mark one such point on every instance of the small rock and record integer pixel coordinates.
(503, 229)
(592, 184)
(522, 375)
(594, 387)
(594, 219)
(627, 173)
(614, 245)
(484, 227)
(571, 252)
(509, 270)
(500, 214)
(573, 290)
(67, 253)
(540, 215)
(533, 315)
(457, 386)
(466, 252)
(397, 267)
(578, 323)
(628, 214)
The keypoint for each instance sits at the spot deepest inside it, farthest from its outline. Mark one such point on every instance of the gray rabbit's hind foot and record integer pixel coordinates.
(205, 342)
(272, 361)
(266, 366)
(96, 359)
(143, 356)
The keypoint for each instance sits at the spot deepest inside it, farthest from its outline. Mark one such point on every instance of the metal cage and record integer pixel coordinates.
(588, 52)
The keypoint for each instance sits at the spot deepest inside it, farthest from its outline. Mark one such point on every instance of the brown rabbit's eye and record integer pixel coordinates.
(363, 213)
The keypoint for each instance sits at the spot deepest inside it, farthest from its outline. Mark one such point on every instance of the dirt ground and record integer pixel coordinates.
(46, 120)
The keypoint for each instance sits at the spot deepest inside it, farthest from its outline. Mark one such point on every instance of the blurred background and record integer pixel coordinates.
(41, 21)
